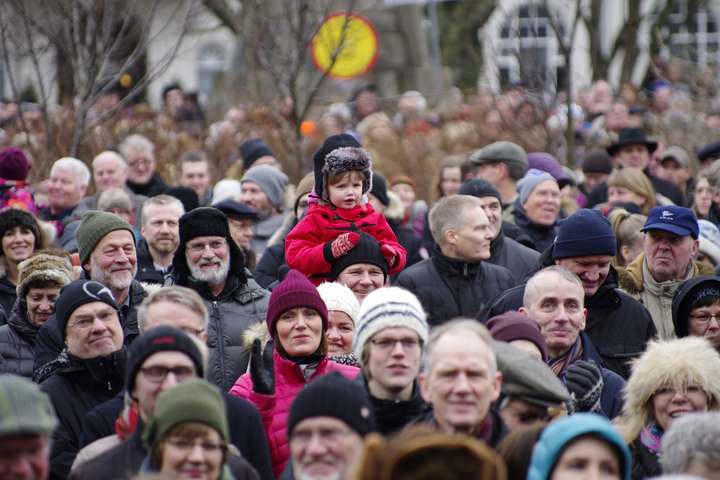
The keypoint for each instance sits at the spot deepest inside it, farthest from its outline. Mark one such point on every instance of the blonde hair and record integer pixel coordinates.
(626, 227)
(673, 363)
(634, 179)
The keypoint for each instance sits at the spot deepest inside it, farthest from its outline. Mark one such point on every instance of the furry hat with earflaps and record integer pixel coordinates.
(672, 363)
(44, 266)
(340, 153)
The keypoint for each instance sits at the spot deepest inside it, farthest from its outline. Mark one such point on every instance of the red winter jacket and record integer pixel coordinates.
(305, 249)
(274, 409)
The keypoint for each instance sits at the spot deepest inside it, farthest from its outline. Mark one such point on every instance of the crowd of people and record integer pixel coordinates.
(529, 321)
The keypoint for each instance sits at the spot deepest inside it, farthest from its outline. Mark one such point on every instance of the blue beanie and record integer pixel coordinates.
(586, 232)
(559, 434)
(527, 184)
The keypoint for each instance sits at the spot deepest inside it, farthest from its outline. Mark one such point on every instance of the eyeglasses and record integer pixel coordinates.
(187, 445)
(140, 161)
(387, 344)
(198, 248)
(157, 374)
(327, 436)
(704, 317)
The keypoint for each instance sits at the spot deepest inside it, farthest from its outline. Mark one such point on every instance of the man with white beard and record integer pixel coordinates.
(208, 261)
(106, 247)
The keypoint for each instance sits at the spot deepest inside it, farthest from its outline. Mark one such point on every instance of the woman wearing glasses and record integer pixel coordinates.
(297, 320)
(187, 436)
(696, 309)
(671, 379)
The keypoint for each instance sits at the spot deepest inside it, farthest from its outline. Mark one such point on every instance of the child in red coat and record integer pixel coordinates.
(329, 230)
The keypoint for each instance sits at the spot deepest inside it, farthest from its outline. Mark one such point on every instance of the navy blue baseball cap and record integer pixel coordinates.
(671, 218)
(233, 209)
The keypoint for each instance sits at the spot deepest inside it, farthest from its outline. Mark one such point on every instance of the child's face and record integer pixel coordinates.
(345, 189)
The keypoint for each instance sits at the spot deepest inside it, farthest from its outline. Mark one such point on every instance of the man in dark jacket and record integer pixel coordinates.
(156, 354)
(107, 255)
(456, 281)
(554, 298)
(460, 380)
(504, 251)
(159, 230)
(90, 370)
(142, 176)
(391, 332)
(618, 325)
(208, 261)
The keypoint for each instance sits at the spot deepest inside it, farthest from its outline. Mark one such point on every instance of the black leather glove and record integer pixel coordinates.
(262, 371)
(585, 383)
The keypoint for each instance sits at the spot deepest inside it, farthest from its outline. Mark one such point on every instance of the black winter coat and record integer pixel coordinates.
(246, 429)
(17, 340)
(542, 236)
(450, 288)
(498, 430)
(74, 390)
(517, 258)
(146, 271)
(123, 462)
(236, 308)
(50, 339)
(391, 416)
(618, 325)
(154, 187)
(272, 266)
(645, 464)
(8, 295)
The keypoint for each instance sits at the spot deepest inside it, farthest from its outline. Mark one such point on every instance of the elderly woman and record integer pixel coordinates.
(537, 208)
(696, 309)
(583, 445)
(187, 436)
(630, 185)
(671, 379)
(20, 235)
(297, 321)
(343, 309)
(40, 279)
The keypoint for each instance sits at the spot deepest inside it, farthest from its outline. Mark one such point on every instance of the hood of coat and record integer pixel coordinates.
(681, 305)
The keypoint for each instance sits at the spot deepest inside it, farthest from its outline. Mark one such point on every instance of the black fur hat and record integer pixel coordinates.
(341, 153)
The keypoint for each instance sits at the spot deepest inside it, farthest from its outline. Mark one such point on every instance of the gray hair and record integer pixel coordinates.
(173, 294)
(448, 213)
(114, 198)
(76, 166)
(136, 144)
(161, 200)
(532, 285)
(110, 154)
(695, 436)
(459, 325)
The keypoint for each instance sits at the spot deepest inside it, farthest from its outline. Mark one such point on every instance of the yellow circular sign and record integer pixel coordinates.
(345, 46)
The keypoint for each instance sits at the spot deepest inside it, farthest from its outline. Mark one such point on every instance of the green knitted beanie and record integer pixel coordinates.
(193, 400)
(93, 227)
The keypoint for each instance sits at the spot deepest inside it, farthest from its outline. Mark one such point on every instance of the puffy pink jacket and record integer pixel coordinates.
(274, 409)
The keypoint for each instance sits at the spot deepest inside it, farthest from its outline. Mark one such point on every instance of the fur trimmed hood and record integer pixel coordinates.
(673, 363)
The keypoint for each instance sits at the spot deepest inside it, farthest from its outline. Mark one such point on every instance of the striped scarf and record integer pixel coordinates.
(560, 364)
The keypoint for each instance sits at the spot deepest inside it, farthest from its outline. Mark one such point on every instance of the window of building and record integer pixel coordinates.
(693, 35)
(528, 49)
(212, 62)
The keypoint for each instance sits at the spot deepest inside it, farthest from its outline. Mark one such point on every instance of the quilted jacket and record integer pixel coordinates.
(274, 409)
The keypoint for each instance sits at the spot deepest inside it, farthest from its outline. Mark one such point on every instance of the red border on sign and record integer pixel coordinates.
(372, 62)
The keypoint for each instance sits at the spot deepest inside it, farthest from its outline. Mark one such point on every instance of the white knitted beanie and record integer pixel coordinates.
(340, 298)
(388, 307)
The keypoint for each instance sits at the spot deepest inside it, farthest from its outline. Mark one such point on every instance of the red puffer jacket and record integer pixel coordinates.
(305, 244)
(274, 409)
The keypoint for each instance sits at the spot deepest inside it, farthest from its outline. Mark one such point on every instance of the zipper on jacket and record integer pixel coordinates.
(220, 343)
